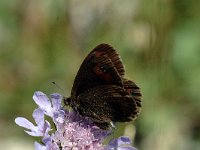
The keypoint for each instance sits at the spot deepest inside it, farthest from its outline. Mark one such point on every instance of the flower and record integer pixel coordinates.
(72, 131)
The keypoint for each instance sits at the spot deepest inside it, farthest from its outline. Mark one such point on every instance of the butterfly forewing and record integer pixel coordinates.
(101, 67)
(111, 53)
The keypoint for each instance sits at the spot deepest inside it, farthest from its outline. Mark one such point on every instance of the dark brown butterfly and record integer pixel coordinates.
(100, 90)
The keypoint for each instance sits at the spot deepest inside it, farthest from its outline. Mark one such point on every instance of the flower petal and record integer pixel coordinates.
(41, 99)
(121, 143)
(39, 146)
(23, 122)
(113, 143)
(38, 115)
(41, 130)
(53, 146)
(46, 128)
(47, 140)
(56, 101)
(123, 140)
(126, 148)
(34, 133)
(59, 116)
(43, 102)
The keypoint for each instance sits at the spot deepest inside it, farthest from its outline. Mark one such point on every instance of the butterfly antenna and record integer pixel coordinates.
(65, 99)
(63, 92)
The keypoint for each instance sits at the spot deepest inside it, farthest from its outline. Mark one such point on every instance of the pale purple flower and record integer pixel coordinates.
(73, 132)
(121, 143)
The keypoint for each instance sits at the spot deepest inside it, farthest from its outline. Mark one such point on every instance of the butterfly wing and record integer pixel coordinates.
(108, 103)
(102, 66)
(111, 53)
(134, 91)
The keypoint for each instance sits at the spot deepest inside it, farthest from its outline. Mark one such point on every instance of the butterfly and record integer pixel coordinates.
(100, 90)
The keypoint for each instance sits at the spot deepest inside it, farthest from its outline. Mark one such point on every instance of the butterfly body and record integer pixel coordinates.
(100, 90)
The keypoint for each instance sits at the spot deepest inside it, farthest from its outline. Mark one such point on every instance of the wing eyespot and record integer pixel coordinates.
(103, 69)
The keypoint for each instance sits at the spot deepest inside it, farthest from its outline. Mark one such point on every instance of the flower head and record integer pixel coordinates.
(72, 130)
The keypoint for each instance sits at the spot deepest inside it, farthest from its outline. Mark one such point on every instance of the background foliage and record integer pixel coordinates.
(46, 40)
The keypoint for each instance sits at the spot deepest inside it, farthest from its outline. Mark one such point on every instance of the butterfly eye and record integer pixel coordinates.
(103, 69)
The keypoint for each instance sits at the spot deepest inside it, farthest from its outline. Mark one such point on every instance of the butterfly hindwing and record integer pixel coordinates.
(134, 91)
(107, 103)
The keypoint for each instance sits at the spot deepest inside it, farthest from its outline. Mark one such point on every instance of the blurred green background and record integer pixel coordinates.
(159, 41)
